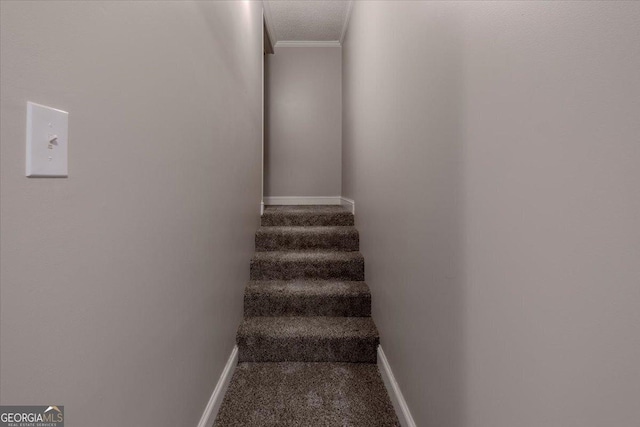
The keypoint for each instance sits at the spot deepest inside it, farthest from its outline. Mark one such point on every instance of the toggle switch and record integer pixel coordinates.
(47, 141)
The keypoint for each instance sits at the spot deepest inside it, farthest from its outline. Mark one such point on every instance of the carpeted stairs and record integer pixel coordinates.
(307, 345)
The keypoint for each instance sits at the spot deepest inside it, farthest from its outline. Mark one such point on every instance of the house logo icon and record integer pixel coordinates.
(32, 416)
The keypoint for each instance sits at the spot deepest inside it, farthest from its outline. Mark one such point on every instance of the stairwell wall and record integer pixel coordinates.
(492, 150)
(303, 122)
(121, 286)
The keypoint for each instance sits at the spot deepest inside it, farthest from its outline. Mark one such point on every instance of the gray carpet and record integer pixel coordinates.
(301, 238)
(307, 298)
(315, 265)
(306, 394)
(306, 216)
(307, 339)
(307, 312)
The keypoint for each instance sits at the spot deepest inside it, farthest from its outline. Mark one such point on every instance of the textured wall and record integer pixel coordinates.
(121, 286)
(303, 121)
(493, 152)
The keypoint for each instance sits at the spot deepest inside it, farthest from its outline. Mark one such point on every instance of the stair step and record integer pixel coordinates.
(319, 265)
(307, 339)
(306, 215)
(306, 394)
(300, 238)
(307, 298)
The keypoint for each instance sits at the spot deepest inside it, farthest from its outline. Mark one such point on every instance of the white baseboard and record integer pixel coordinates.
(261, 208)
(211, 410)
(399, 404)
(348, 204)
(309, 43)
(286, 200)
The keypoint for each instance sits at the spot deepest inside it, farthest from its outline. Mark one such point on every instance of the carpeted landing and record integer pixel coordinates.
(307, 346)
(306, 394)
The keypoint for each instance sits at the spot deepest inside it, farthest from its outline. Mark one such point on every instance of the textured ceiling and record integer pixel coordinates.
(306, 20)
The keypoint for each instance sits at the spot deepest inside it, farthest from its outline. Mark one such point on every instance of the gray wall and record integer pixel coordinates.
(493, 151)
(121, 286)
(303, 121)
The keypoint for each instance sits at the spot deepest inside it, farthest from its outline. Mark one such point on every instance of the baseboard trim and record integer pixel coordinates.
(211, 410)
(308, 43)
(399, 404)
(348, 204)
(286, 200)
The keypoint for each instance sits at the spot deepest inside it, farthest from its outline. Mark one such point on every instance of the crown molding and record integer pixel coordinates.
(308, 43)
(266, 12)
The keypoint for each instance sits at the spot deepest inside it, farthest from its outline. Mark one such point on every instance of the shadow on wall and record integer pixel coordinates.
(267, 129)
(227, 53)
(492, 151)
(403, 164)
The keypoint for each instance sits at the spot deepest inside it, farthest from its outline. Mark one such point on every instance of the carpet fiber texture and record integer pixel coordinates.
(306, 394)
(306, 216)
(318, 265)
(314, 238)
(307, 346)
(307, 298)
(308, 339)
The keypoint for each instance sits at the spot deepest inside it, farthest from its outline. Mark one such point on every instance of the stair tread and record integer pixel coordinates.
(307, 229)
(308, 255)
(307, 215)
(307, 287)
(307, 298)
(307, 265)
(278, 238)
(259, 393)
(309, 327)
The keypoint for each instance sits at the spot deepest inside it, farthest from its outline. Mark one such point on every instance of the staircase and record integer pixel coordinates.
(307, 345)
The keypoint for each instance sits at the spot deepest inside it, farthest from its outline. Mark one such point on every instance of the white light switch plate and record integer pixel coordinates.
(47, 141)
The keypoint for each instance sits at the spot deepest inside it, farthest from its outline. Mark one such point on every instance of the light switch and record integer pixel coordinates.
(47, 141)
